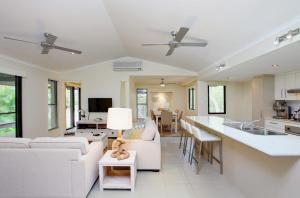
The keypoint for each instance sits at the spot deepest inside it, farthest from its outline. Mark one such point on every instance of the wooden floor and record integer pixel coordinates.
(168, 133)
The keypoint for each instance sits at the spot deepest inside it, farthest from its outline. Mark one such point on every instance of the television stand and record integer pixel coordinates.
(92, 126)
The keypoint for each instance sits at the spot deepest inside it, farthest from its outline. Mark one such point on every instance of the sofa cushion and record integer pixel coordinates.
(134, 133)
(149, 131)
(62, 142)
(15, 142)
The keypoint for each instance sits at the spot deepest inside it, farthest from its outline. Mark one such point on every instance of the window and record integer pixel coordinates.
(142, 103)
(191, 98)
(217, 99)
(52, 105)
(73, 105)
(10, 106)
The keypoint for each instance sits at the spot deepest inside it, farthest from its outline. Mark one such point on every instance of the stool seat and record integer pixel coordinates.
(204, 136)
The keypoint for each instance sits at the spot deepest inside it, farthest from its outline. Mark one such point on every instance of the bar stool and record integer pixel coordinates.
(202, 136)
(183, 128)
(189, 136)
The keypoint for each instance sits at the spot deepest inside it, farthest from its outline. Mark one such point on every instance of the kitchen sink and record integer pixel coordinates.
(251, 128)
(262, 131)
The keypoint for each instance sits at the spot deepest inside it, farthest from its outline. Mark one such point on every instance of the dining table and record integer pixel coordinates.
(174, 114)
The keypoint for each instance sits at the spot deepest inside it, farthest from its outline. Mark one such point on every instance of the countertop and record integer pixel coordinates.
(286, 121)
(273, 145)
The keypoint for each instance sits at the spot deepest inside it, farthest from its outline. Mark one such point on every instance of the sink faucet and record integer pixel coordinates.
(248, 124)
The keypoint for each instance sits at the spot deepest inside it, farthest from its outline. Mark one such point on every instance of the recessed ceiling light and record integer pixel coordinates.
(72, 53)
(275, 65)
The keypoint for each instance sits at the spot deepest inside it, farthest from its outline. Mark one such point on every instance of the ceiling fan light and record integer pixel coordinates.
(162, 83)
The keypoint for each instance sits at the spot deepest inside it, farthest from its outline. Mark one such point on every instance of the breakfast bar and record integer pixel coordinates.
(260, 162)
(272, 145)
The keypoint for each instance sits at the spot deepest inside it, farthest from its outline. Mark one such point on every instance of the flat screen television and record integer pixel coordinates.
(99, 104)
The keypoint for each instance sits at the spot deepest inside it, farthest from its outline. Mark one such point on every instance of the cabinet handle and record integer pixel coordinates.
(273, 123)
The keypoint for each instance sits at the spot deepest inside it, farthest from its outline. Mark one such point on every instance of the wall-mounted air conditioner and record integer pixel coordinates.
(128, 66)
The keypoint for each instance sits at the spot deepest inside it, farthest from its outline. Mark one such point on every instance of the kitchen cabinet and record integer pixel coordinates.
(297, 80)
(283, 83)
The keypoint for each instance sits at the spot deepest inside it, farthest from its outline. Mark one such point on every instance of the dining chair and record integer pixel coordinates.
(152, 115)
(166, 120)
(202, 136)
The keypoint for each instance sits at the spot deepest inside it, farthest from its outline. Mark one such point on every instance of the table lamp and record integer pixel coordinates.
(119, 119)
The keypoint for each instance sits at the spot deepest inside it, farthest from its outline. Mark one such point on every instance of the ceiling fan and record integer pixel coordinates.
(176, 41)
(48, 44)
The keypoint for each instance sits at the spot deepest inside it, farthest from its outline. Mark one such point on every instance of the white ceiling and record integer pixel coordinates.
(287, 58)
(108, 29)
(83, 25)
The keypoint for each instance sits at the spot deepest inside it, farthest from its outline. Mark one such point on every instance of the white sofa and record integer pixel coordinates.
(148, 151)
(46, 171)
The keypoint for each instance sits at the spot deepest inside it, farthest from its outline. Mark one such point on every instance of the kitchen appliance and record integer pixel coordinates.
(281, 109)
(294, 130)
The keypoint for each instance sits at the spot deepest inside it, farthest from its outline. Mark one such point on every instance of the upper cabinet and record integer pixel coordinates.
(285, 82)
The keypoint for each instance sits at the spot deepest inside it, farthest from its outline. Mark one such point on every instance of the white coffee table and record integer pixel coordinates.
(117, 182)
(90, 135)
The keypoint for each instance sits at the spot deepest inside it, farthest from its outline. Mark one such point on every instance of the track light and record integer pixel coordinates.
(287, 36)
(220, 67)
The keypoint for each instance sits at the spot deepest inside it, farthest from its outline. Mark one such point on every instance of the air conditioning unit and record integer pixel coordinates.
(128, 66)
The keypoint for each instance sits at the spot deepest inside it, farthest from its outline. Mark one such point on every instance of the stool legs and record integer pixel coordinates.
(221, 157)
(200, 150)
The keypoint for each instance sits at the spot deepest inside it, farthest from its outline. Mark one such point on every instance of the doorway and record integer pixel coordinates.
(73, 105)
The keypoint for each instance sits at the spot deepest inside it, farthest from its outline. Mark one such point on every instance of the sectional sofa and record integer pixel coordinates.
(48, 167)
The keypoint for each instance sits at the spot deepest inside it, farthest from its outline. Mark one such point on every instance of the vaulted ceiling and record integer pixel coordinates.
(109, 29)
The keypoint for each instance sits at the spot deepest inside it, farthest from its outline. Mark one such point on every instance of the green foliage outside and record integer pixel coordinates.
(7, 104)
(216, 99)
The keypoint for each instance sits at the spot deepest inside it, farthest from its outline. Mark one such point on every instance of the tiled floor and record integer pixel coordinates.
(176, 179)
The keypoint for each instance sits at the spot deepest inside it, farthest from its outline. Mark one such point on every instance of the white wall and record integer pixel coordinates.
(238, 99)
(35, 95)
(99, 80)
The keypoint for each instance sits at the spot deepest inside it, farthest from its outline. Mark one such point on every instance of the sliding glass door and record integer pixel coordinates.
(10, 106)
(73, 106)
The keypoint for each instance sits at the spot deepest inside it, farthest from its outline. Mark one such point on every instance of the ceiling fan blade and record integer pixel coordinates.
(9, 38)
(171, 50)
(181, 33)
(67, 49)
(154, 44)
(50, 38)
(45, 50)
(204, 44)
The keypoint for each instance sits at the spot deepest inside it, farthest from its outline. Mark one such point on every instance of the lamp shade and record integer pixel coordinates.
(119, 118)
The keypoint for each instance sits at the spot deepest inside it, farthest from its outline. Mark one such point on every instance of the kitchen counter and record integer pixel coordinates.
(272, 145)
(286, 121)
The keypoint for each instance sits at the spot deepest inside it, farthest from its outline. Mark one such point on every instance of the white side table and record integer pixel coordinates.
(117, 182)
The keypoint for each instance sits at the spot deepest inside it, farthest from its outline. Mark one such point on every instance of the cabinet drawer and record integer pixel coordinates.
(275, 125)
